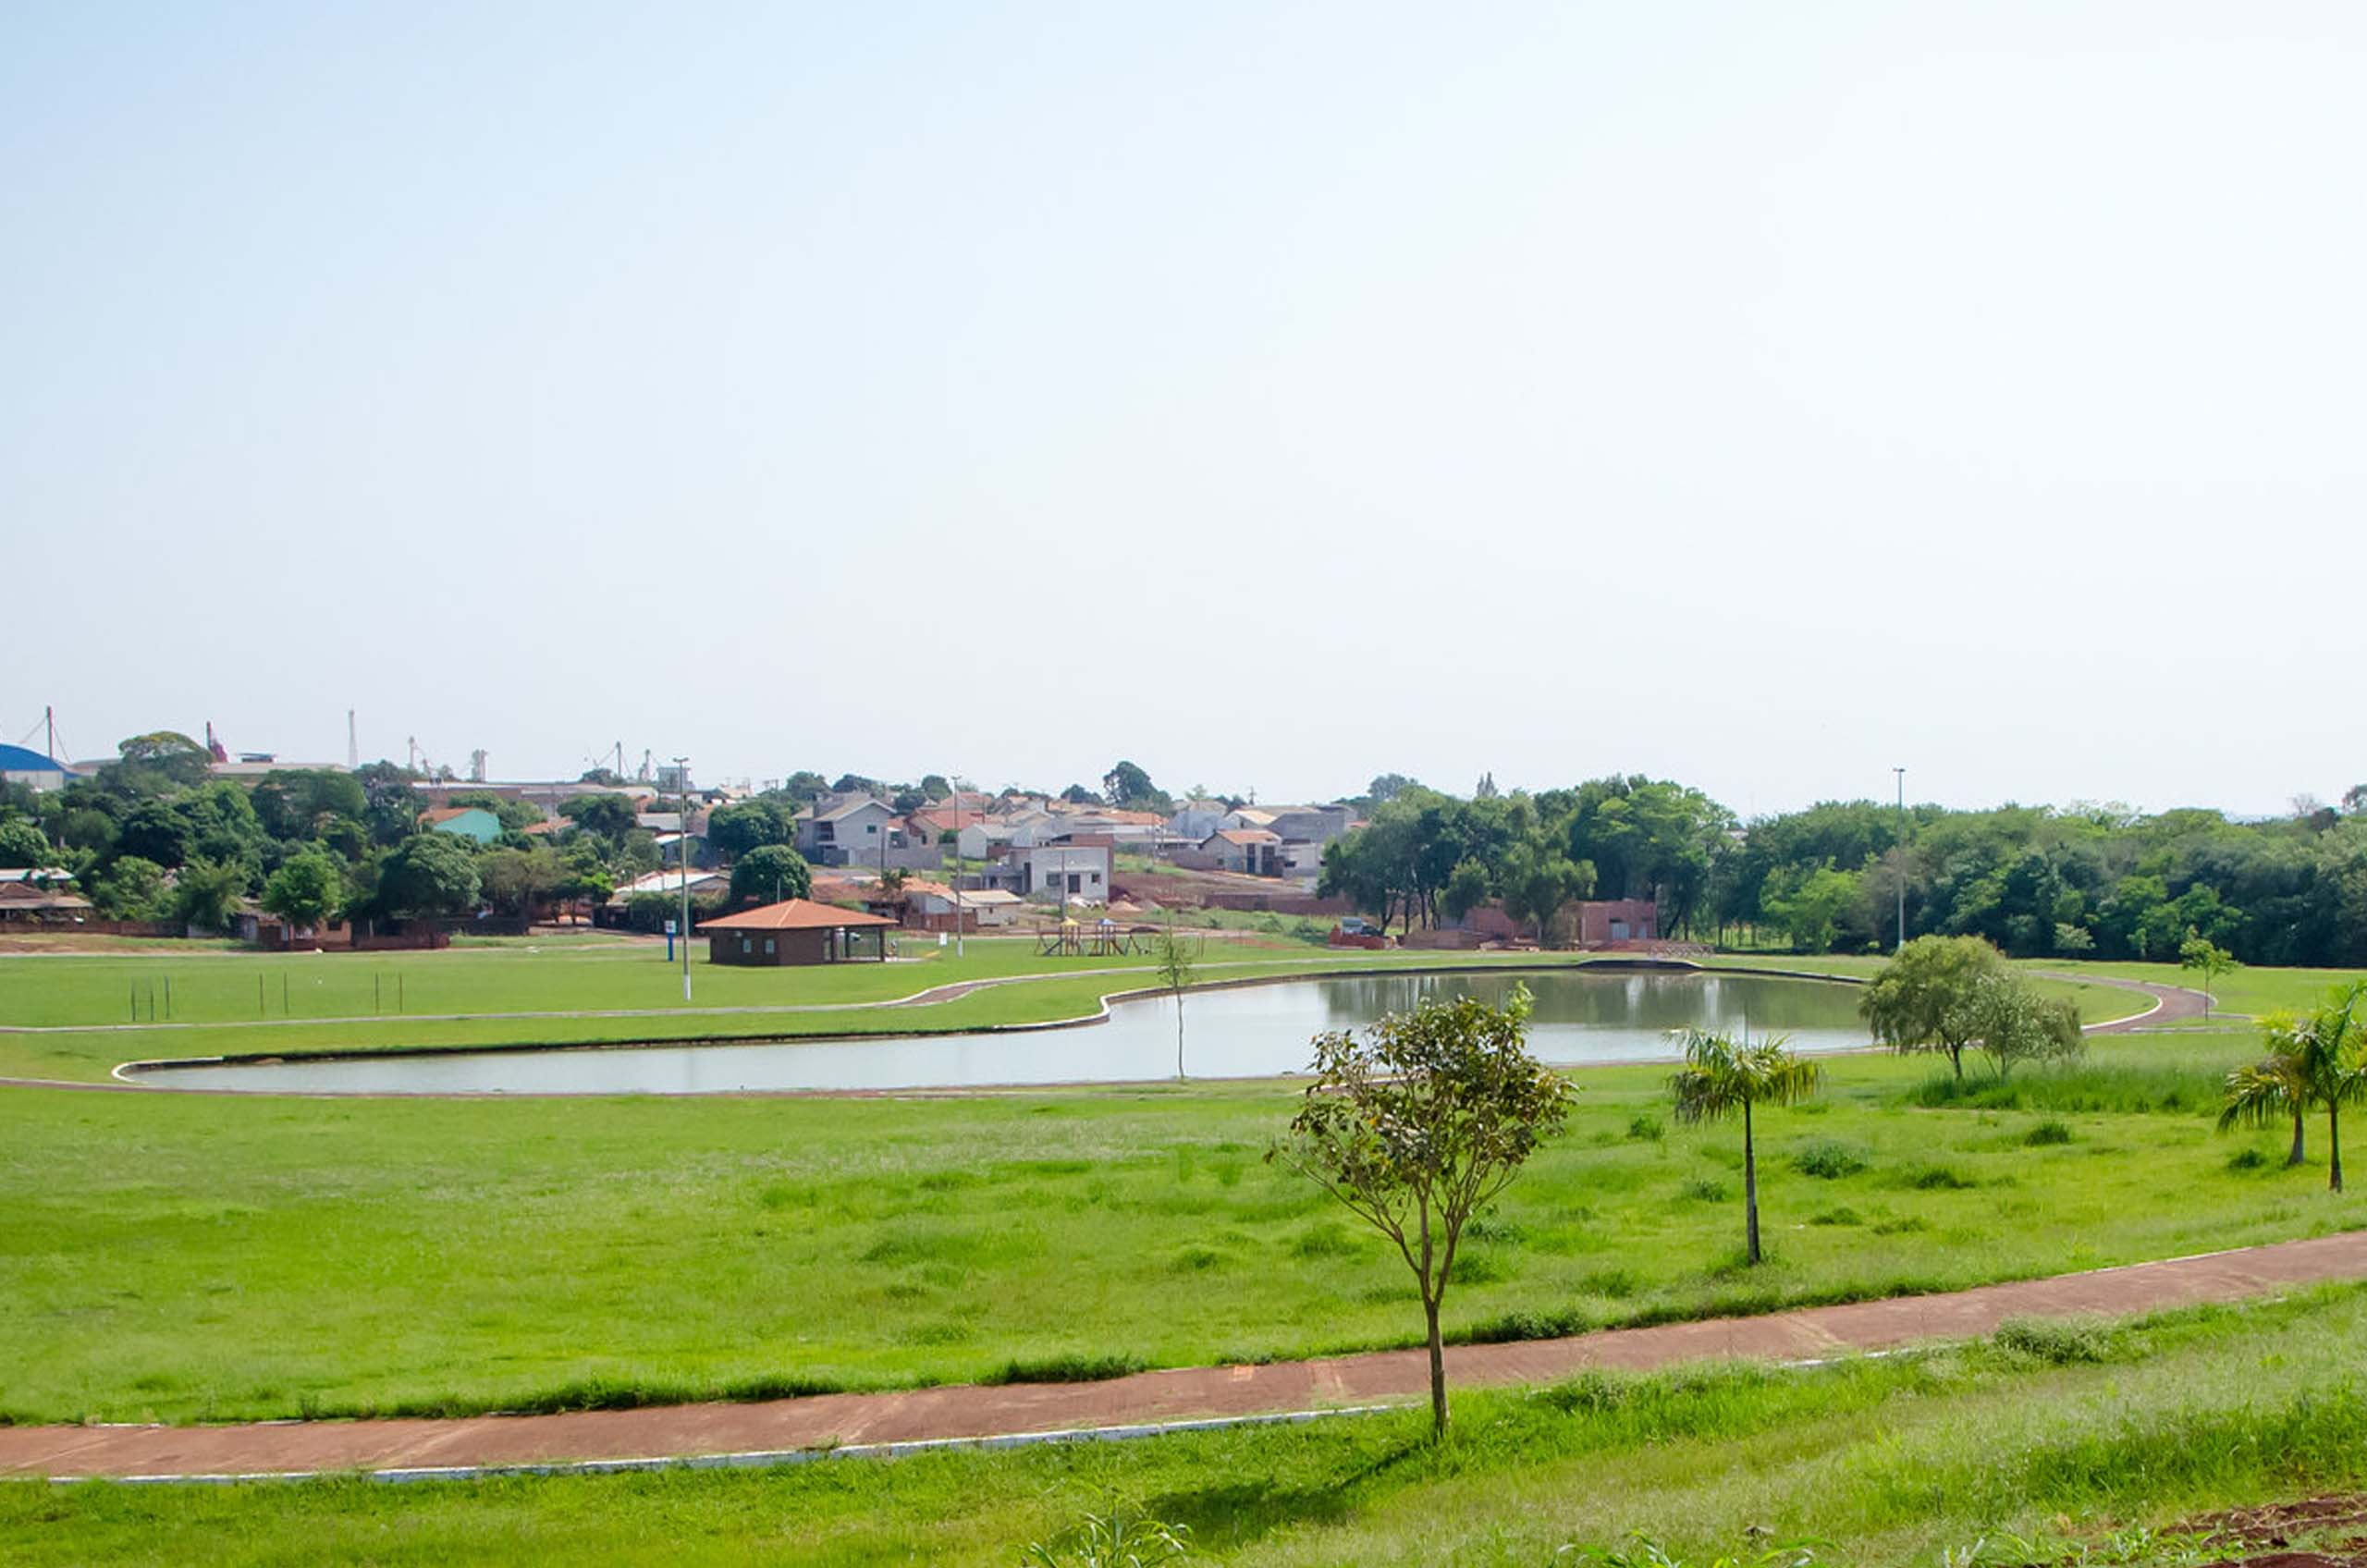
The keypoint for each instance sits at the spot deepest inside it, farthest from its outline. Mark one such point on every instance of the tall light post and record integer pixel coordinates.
(955, 779)
(683, 865)
(1899, 860)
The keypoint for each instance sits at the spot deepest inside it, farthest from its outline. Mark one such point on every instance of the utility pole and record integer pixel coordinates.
(1900, 861)
(49, 722)
(955, 779)
(683, 865)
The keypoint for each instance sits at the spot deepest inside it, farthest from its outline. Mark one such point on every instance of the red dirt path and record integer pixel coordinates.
(1180, 1395)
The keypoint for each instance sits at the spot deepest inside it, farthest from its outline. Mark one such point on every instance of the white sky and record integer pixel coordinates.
(1760, 396)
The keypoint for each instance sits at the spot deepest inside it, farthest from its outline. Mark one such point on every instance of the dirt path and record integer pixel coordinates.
(779, 1427)
(2171, 1003)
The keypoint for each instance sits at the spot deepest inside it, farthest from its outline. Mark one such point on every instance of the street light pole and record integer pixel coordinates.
(1899, 860)
(959, 951)
(683, 863)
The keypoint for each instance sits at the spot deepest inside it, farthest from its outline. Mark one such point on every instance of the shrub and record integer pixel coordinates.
(1326, 1239)
(1836, 1217)
(1645, 1129)
(1828, 1161)
(1616, 1284)
(1516, 1326)
(2247, 1160)
(1705, 1189)
(2058, 1341)
(2047, 1132)
(1939, 1178)
(1066, 1366)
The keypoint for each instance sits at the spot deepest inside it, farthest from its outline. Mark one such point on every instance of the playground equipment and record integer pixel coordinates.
(1104, 938)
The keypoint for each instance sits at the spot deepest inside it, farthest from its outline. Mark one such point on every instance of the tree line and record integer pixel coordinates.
(2078, 881)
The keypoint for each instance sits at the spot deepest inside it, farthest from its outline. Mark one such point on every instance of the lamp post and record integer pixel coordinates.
(683, 865)
(1900, 861)
(955, 779)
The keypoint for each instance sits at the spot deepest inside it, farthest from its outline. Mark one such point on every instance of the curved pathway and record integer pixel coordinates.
(2171, 1003)
(783, 1432)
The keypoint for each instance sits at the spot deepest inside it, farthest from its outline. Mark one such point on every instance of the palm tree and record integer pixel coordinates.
(2320, 1059)
(1723, 1077)
(2271, 1088)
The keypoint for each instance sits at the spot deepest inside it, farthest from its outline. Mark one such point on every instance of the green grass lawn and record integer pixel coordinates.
(598, 991)
(190, 1257)
(2036, 1446)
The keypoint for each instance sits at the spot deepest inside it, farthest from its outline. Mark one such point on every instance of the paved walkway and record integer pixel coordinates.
(2171, 1003)
(1183, 1394)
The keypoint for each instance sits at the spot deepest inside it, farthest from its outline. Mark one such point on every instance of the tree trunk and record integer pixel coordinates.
(1955, 1055)
(1438, 1371)
(1179, 1034)
(1750, 1186)
(2295, 1158)
(2334, 1147)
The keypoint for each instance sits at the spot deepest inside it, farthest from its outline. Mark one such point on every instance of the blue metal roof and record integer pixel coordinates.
(18, 759)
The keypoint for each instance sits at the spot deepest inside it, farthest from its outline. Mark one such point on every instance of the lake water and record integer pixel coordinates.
(1251, 1031)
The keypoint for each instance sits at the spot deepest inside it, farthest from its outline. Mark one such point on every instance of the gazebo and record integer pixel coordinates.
(795, 931)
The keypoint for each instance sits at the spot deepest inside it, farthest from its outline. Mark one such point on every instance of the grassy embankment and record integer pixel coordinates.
(266, 1256)
(2048, 1444)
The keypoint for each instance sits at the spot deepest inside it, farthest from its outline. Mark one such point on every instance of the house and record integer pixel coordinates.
(796, 931)
(978, 839)
(21, 765)
(932, 906)
(860, 831)
(703, 884)
(38, 901)
(1197, 819)
(1252, 852)
(1077, 874)
(1247, 818)
(1310, 825)
(474, 823)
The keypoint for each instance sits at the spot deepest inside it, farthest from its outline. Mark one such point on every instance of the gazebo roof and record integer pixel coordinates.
(793, 914)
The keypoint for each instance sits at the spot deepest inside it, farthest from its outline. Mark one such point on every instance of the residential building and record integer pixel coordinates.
(860, 830)
(1252, 852)
(1197, 819)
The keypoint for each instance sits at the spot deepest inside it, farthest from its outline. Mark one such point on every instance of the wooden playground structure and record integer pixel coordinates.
(1104, 938)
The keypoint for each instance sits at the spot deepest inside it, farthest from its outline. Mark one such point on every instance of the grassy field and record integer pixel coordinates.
(190, 1257)
(594, 991)
(2050, 1443)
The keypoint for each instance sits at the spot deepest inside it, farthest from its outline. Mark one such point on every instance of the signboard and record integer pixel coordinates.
(670, 928)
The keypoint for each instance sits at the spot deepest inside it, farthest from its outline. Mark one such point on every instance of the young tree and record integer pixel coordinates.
(2208, 959)
(1178, 967)
(2277, 1085)
(1418, 1124)
(1722, 1078)
(1921, 1000)
(2318, 1059)
(306, 891)
(2009, 1022)
(771, 873)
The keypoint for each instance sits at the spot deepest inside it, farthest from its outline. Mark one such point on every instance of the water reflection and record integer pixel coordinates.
(1253, 1031)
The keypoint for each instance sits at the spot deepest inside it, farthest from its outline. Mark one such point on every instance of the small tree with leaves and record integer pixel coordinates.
(1922, 998)
(2208, 959)
(1178, 966)
(2314, 1059)
(1723, 1077)
(1418, 1124)
(2009, 1022)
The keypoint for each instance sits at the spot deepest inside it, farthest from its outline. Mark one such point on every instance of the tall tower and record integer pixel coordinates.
(352, 743)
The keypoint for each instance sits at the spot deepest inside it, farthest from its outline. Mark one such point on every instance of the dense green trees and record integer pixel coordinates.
(771, 873)
(1924, 999)
(429, 874)
(733, 830)
(307, 891)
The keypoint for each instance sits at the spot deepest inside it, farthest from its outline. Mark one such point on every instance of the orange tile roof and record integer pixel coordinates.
(792, 915)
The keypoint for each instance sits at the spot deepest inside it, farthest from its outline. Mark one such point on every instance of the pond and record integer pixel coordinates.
(1245, 1032)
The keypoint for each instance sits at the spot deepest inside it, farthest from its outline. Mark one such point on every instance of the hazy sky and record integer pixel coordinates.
(1274, 395)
